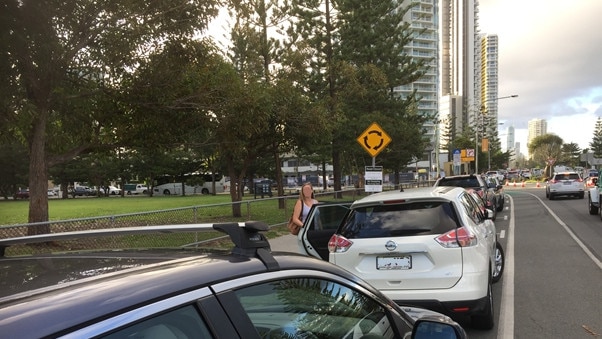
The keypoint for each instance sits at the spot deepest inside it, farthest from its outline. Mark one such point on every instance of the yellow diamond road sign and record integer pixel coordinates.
(374, 139)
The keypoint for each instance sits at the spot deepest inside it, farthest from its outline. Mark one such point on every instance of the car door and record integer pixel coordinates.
(484, 226)
(321, 223)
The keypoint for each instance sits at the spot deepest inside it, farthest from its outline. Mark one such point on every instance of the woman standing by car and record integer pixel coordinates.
(304, 203)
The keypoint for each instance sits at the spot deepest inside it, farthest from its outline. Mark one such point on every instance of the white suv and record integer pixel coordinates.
(496, 174)
(565, 183)
(432, 247)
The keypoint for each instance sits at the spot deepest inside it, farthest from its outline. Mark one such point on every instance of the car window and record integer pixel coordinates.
(567, 176)
(462, 182)
(313, 308)
(419, 218)
(181, 323)
(329, 217)
(475, 208)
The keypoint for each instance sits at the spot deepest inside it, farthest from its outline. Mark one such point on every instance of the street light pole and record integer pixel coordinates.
(480, 118)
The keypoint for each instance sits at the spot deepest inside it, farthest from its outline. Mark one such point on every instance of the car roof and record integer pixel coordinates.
(420, 193)
(90, 286)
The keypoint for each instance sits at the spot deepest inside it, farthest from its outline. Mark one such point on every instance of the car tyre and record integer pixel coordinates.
(500, 260)
(547, 194)
(551, 196)
(485, 320)
(593, 210)
(501, 205)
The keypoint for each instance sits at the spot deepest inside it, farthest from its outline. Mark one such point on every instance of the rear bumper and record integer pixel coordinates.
(468, 296)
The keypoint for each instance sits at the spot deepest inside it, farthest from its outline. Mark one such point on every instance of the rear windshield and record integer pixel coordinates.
(460, 182)
(567, 176)
(419, 218)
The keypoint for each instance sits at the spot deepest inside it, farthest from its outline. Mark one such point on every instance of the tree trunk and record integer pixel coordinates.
(281, 202)
(38, 175)
(235, 190)
(336, 172)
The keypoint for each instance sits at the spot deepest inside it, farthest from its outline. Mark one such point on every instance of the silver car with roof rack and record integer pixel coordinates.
(190, 291)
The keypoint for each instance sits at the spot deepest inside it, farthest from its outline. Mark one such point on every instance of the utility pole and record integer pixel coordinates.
(481, 113)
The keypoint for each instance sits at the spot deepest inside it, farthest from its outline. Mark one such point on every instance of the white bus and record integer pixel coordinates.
(194, 183)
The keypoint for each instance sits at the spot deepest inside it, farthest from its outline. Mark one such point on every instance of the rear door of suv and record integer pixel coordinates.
(395, 246)
(321, 223)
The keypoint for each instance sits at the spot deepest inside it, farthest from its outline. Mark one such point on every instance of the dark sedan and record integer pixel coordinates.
(494, 185)
(476, 183)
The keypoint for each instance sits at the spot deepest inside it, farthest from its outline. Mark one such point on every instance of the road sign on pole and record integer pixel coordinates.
(374, 139)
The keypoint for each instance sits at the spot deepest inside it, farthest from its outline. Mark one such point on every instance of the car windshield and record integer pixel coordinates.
(460, 182)
(568, 176)
(419, 218)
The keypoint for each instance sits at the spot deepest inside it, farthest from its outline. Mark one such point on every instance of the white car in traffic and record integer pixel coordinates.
(566, 184)
(433, 247)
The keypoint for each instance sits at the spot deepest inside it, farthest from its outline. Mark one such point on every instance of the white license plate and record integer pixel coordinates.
(394, 262)
(568, 182)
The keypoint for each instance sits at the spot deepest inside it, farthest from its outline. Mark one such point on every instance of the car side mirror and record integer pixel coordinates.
(430, 327)
(488, 213)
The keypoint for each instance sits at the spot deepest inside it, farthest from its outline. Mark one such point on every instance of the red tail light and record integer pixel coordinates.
(459, 237)
(553, 181)
(338, 244)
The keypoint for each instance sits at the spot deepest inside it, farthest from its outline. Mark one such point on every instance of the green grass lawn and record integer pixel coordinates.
(163, 210)
(16, 212)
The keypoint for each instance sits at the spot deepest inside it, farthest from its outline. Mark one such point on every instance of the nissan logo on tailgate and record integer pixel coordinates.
(391, 245)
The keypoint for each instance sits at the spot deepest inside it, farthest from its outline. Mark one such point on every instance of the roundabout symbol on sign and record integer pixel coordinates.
(374, 139)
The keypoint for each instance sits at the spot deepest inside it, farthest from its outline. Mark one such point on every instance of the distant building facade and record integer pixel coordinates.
(458, 34)
(537, 127)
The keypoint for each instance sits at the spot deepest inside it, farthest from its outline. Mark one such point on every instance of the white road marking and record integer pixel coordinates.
(506, 324)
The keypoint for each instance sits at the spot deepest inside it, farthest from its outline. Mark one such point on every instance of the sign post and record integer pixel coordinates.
(373, 140)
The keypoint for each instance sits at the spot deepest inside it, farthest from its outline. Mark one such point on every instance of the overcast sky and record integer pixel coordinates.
(550, 54)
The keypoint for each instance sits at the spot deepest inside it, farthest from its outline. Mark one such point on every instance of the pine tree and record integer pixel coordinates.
(596, 143)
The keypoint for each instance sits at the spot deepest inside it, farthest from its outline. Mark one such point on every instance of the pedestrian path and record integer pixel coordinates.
(284, 243)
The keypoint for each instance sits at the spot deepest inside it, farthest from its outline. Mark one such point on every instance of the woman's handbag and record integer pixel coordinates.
(292, 227)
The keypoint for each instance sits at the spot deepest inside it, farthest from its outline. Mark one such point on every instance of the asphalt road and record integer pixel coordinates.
(552, 283)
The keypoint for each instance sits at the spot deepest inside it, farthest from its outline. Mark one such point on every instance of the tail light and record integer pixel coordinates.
(338, 244)
(553, 181)
(459, 237)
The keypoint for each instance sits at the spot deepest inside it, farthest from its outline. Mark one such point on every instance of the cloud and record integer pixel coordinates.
(549, 53)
